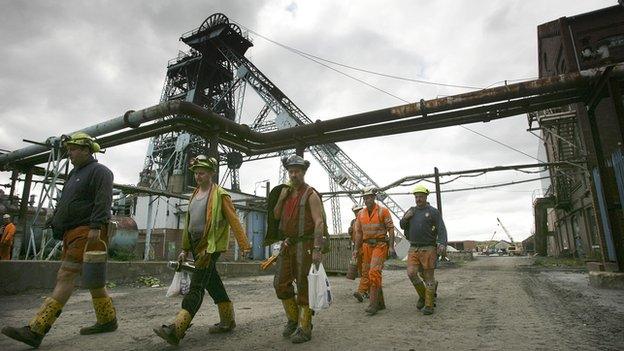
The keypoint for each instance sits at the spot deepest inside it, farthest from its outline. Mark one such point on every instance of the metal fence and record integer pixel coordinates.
(337, 259)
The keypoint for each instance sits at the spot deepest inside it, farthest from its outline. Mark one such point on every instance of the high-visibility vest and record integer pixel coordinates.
(373, 226)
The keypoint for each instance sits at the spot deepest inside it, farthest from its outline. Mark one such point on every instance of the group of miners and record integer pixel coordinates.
(295, 218)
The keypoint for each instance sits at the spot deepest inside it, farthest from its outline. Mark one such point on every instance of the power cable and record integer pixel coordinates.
(317, 60)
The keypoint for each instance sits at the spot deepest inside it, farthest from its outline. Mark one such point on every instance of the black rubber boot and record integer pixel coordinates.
(100, 328)
(167, 333)
(23, 334)
(373, 306)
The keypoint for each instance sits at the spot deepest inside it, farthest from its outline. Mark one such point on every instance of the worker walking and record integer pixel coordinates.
(356, 255)
(426, 232)
(6, 238)
(302, 228)
(206, 234)
(80, 219)
(374, 234)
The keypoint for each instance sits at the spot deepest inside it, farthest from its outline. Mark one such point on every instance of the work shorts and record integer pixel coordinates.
(74, 242)
(422, 256)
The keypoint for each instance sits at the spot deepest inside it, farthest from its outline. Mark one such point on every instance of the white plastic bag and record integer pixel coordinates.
(180, 284)
(319, 290)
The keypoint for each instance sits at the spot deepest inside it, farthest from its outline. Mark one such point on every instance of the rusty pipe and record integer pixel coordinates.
(320, 131)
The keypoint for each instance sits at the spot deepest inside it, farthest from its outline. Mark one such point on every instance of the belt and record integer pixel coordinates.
(298, 239)
(375, 241)
(423, 247)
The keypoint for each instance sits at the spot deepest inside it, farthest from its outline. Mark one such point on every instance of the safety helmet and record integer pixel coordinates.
(201, 161)
(356, 207)
(6, 216)
(420, 189)
(370, 190)
(82, 139)
(295, 161)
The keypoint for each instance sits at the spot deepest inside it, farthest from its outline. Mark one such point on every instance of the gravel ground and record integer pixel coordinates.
(492, 303)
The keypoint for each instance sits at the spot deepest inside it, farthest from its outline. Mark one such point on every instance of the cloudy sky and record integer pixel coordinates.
(67, 65)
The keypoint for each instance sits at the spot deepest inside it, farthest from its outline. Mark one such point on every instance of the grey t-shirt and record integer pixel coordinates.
(197, 220)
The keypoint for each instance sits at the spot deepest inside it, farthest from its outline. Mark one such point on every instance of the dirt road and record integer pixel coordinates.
(491, 303)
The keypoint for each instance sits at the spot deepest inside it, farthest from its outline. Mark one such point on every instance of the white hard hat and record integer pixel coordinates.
(356, 207)
(370, 190)
(6, 216)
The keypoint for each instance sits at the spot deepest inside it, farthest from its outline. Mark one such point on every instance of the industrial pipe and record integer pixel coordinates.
(519, 98)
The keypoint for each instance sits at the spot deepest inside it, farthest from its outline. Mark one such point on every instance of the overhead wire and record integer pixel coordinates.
(317, 60)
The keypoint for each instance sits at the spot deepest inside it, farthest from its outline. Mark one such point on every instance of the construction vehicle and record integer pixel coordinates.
(515, 249)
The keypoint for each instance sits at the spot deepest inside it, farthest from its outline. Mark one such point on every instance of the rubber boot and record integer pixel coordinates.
(358, 296)
(292, 313)
(174, 332)
(373, 306)
(382, 302)
(429, 300)
(105, 315)
(420, 289)
(33, 333)
(304, 331)
(226, 319)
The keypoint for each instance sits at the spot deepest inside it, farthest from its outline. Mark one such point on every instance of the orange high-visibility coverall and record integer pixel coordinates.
(373, 226)
(6, 243)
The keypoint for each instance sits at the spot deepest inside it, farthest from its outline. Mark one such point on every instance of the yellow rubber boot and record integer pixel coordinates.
(292, 313)
(429, 300)
(106, 317)
(304, 331)
(48, 313)
(174, 332)
(420, 289)
(226, 316)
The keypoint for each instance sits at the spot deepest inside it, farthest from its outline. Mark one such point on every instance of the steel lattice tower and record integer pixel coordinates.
(214, 74)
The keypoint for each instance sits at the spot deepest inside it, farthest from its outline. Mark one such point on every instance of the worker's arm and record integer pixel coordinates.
(442, 235)
(316, 209)
(390, 227)
(230, 215)
(103, 188)
(358, 237)
(404, 222)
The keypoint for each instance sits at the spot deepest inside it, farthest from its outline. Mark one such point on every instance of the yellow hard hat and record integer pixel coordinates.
(82, 139)
(204, 162)
(420, 189)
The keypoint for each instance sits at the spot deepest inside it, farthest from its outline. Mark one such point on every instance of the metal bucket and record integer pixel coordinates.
(352, 270)
(94, 268)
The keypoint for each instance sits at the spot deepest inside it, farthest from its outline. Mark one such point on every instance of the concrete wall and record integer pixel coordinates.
(19, 276)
